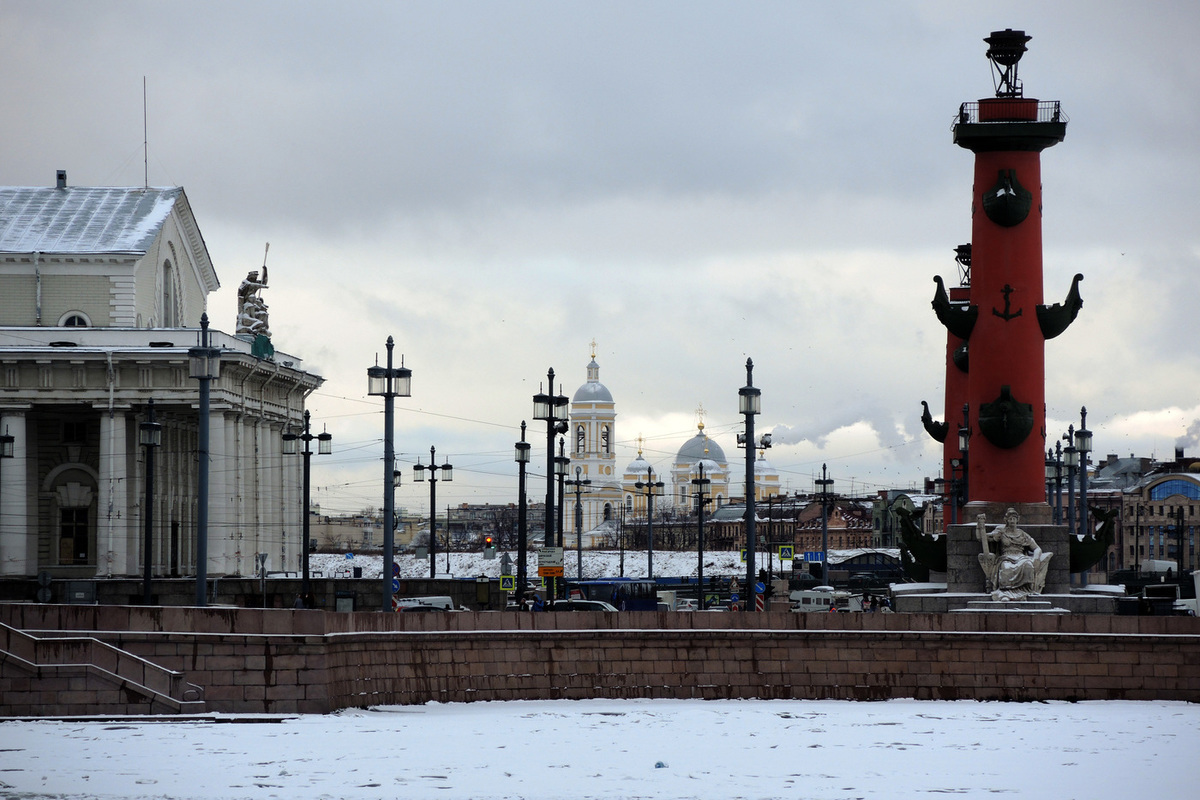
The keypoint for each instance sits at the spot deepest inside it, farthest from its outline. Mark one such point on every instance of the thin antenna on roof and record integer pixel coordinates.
(267, 250)
(145, 139)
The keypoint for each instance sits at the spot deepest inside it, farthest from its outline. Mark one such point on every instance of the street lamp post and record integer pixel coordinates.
(204, 364)
(547, 407)
(447, 470)
(522, 457)
(389, 383)
(150, 437)
(749, 405)
(1054, 471)
(652, 488)
(579, 483)
(1051, 479)
(324, 448)
(1083, 443)
(825, 483)
(700, 483)
(1071, 459)
(561, 465)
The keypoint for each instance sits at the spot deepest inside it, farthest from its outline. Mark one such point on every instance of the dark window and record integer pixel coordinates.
(73, 537)
(74, 432)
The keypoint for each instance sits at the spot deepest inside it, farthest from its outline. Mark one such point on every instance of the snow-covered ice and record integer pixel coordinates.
(623, 749)
(596, 564)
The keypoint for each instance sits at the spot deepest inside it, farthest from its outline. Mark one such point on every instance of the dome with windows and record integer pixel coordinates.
(593, 391)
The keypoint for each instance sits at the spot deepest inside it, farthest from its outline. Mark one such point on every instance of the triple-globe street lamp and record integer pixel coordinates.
(523, 449)
(447, 471)
(324, 448)
(550, 408)
(389, 382)
(651, 488)
(580, 483)
(701, 483)
(204, 365)
(824, 488)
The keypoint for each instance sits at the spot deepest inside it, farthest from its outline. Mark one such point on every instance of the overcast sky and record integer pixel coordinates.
(688, 183)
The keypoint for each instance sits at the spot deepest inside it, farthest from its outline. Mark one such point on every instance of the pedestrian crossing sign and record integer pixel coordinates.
(787, 552)
(508, 583)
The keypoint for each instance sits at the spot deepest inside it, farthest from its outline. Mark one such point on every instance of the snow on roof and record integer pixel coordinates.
(82, 219)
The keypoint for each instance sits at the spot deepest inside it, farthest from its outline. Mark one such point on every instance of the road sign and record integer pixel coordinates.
(759, 603)
(742, 555)
(508, 583)
(349, 556)
(395, 584)
(787, 552)
(759, 588)
(733, 598)
(813, 555)
(395, 570)
(550, 572)
(712, 599)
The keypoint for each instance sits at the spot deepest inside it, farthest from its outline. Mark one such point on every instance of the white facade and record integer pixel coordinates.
(591, 446)
(101, 293)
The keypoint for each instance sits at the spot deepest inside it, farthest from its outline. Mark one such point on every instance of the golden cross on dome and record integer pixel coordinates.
(593, 344)
(700, 416)
(640, 440)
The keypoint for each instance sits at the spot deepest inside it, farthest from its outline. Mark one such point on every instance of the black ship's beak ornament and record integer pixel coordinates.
(1055, 319)
(1007, 203)
(937, 430)
(958, 319)
(1006, 421)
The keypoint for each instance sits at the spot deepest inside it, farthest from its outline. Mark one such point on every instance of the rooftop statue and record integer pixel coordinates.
(1019, 567)
(252, 310)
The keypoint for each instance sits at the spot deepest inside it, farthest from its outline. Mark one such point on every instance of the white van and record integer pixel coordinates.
(437, 603)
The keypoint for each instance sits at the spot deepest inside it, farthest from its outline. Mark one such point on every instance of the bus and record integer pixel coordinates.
(627, 594)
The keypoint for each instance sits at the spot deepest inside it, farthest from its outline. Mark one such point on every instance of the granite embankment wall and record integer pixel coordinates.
(252, 660)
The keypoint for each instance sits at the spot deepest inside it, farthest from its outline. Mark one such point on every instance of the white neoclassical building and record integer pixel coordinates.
(101, 295)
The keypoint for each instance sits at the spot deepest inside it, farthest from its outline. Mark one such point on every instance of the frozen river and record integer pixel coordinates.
(623, 749)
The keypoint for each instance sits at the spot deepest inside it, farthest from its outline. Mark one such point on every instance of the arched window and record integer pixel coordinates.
(604, 442)
(74, 319)
(168, 315)
(1188, 488)
(580, 438)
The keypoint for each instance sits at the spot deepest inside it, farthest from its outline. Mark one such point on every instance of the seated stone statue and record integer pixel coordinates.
(1019, 568)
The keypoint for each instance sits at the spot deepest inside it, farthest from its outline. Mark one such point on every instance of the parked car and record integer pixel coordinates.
(583, 605)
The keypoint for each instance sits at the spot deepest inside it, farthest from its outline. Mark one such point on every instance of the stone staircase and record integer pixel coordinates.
(67, 676)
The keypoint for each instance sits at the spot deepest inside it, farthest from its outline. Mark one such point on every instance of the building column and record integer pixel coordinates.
(18, 547)
(221, 475)
(113, 523)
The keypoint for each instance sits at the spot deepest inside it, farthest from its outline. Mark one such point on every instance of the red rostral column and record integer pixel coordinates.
(953, 308)
(1006, 324)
